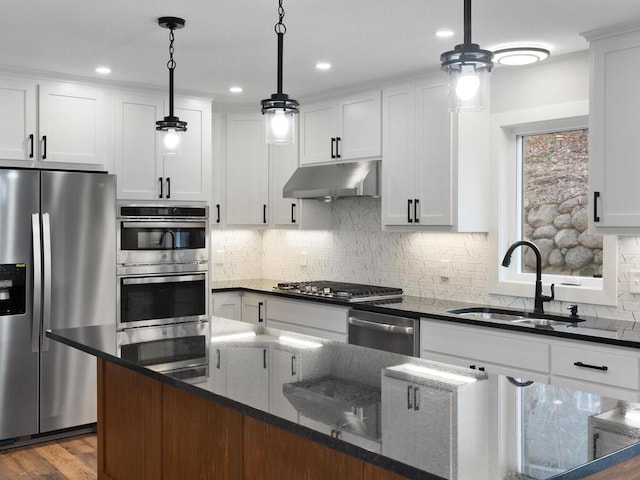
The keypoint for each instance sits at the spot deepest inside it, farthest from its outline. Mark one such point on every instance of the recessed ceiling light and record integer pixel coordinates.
(520, 55)
(444, 33)
(103, 70)
(323, 66)
(235, 89)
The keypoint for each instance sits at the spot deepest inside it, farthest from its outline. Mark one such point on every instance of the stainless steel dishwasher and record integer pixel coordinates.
(385, 332)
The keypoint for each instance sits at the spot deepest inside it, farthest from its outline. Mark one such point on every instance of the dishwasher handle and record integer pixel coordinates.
(384, 327)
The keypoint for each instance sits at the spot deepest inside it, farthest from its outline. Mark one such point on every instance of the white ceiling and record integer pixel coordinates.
(233, 43)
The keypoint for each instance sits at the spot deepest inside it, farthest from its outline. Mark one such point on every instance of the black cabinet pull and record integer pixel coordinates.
(44, 147)
(218, 210)
(333, 141)
(160, 181)
(260, 319)
(168, 187)
(596, 436)
(337, 147)
(218, 362)
(602, 368)
(416, 399)
(264, 357)
(264, 214)
(409, 404)
(293, 365)
(415, 210)
(596, 195)
(31, 148)
(472, 367)
(293, 214)
(409, 219)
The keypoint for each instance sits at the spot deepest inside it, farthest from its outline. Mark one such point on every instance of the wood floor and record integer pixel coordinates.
(71, 458)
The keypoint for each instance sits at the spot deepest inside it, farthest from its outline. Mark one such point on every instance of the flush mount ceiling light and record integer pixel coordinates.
(520, 55)
(468, 67)
(171, 126)
(280, 110)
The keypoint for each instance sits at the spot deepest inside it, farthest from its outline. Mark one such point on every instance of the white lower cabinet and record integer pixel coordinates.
(285, 367)
(609, 371)
(516, 355)
(250, 388)
(254, 308)
(309, 318)
(440, 431)
(226, 305)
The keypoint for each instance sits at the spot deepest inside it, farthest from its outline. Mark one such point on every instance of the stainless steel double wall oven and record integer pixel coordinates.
(162, 278)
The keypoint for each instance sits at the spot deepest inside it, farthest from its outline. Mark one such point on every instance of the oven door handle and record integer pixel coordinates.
(164, 224)
(162, 279)
(385, 327)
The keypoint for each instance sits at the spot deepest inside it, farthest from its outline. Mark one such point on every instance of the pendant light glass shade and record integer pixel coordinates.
(468, 68)
(171, 127)
(280, 111)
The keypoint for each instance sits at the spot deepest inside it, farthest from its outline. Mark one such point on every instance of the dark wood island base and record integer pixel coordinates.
(150, 430)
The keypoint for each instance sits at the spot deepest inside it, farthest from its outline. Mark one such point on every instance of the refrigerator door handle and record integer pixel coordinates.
(37, 283)
(46, 303)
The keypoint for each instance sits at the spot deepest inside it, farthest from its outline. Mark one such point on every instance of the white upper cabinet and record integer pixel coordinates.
(18, 134)
(614, 113)
(52, 122)
(431, 179)
(292, 212)
(347, 128)
(143, 172)
(247, 171)
(71, 120)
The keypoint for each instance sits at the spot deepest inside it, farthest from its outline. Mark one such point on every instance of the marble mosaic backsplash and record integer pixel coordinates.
(442, 265)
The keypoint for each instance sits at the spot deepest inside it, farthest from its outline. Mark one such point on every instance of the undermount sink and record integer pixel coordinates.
(513, 316)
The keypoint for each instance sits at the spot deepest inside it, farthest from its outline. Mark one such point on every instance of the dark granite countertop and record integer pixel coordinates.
(357, 367)
(591, 329)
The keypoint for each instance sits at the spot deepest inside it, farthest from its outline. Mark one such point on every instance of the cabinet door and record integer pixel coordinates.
(398, 154)
(614, 114)
(253, 308)
(318, 130)
(189, 174)
(434, 427)
(18, 136)
(435, 154)
(72, 126)
(284, 161)
(247, 170)
(359, 126)
(252, 386)
(284, 368)
(137, 146)
(226, 305)
(400, 434)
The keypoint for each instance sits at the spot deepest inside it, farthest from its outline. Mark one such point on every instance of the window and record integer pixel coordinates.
(541, 163)
(554, 196)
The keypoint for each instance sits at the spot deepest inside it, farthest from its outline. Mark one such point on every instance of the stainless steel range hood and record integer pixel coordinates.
(332, 181)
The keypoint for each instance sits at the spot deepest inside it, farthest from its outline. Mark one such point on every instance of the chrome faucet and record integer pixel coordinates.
(539, 297)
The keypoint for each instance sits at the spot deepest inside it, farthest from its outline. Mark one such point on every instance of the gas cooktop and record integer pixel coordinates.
(346, 292)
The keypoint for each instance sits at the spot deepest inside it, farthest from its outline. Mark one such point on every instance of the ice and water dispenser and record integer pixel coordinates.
(13, 279)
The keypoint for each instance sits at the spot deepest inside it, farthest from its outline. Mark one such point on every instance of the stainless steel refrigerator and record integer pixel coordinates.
(57, 270)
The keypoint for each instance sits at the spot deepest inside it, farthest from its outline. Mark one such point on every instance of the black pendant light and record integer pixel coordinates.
(280, 110)
(171, 126)
(468, 67)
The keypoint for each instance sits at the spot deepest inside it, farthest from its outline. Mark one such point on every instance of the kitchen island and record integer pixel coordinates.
(248, 420)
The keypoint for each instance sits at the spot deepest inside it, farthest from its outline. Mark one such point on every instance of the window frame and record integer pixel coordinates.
(506, 127)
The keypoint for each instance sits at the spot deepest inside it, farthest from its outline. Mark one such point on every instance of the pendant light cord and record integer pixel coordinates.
(280, 30)
(467, 22)
(171, 65)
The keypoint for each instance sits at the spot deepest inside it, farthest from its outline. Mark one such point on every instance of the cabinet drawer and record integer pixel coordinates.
(485, 346)
(308, 314)
(595, 365)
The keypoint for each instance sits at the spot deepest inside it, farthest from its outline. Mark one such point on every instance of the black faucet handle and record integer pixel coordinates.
(547, 298)
(574, 311)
